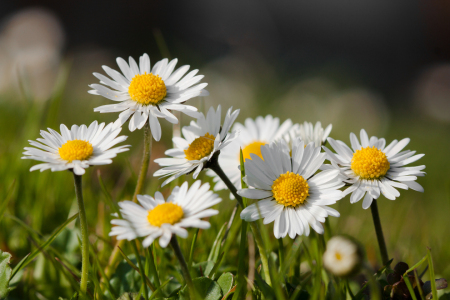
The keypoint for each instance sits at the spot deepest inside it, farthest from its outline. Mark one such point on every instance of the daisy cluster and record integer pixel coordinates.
(291, 174)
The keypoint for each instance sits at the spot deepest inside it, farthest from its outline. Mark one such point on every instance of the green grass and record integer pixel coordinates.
(33, 205)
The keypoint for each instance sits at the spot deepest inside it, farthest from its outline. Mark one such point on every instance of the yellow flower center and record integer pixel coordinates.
(200, 147)
(290, 189)
(338, 255)
(76, 150)
(166, 213)
(254, 148)
(147, 89)
(370, 163)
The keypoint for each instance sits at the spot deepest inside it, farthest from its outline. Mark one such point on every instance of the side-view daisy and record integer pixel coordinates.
(156, 218)
(145, 93)
(77, 148)
(371, 168)
(289, 190)
(252, 135)
(309, 133)
(202, 139)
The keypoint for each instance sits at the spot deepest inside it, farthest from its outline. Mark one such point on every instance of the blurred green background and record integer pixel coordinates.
(381, 67)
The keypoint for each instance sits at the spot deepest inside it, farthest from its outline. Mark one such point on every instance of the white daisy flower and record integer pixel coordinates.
(252, 135)
(156, 218)
(309, 133)
(342, 257)
(371, 168)
(202, 139)
(289, 191)
(77, 148)
(145, 94)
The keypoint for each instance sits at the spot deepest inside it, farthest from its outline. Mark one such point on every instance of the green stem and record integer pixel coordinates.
(184, 266)
(84, 236)
(379, 232)
(281, 253)
(115, 255)
(256, 233)
(141, 268)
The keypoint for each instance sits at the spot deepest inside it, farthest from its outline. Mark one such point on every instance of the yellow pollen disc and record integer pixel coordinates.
(147, 89)
(370, 163)
(338, 256)
(76, 150)
(254, 148)
(290, 189)
(166, 213)
(200, 147)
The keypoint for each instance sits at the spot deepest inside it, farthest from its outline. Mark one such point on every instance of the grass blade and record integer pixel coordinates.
(240, 280)
(216, 266)
(4, 205)
(158, 290)
(432, 276)
(149, 284)
(191, 253)
(410, 288)
(43, 246)
(215, 250)
(108, 197)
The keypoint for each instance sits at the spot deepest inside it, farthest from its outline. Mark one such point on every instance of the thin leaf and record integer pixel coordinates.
(410, 288)
(102, 273)
(416, 265)
(108, 197)
(191, 252)
(43, 246)
(419, 287)
(216, 266)
(241, 282)
(9, 194)
(432, 276)
(150, 264)
(159, 290)
(149, 284)
(215, 250)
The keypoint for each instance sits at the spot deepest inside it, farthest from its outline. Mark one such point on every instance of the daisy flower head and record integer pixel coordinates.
(159, 218)
(77, 148)
(372, 168)
(202, 140)
(343, 257)
(291, 194)
(309, 133)
(252, 135)
(146, 94)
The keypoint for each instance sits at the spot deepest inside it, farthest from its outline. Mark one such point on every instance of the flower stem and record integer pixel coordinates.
(184, 266)
(281, 253)
(115, 255)
(256, 233)
(141, 268)
(84, 236)
(379, 232)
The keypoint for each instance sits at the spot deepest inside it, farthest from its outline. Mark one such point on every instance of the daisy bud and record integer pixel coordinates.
(343, 257)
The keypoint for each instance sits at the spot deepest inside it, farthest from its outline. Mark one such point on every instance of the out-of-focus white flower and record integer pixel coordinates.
(31, 41)
(309, 133)
(252, 135)
(342, 257)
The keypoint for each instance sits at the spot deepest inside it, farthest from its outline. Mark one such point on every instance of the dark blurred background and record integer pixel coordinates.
(387, 46)
(379, 65)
